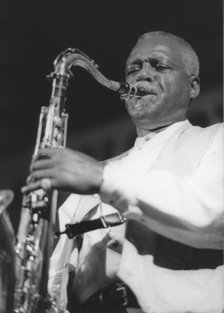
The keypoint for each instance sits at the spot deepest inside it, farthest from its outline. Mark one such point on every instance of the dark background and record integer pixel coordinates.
(33, 33)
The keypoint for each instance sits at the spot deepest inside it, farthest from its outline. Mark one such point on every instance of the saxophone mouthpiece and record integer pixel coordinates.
(126, 88)
(128, 91)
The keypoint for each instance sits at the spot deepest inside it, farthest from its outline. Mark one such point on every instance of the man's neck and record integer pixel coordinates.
(141, 132)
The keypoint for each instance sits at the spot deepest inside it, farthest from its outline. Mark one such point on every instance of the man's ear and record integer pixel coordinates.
(194, 86)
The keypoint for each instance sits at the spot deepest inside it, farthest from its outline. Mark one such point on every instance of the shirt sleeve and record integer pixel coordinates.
(187, 209)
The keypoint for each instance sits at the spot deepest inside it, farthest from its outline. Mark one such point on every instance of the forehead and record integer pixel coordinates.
(156, 46)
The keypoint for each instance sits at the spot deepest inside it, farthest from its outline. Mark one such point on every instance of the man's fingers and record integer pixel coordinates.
(31, 187)
(41, 164)
(40, 174)
(45, 183)
(49, 152)
(29, 179)
(38, 180)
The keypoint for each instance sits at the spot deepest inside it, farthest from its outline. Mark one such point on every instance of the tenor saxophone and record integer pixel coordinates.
(36, 231)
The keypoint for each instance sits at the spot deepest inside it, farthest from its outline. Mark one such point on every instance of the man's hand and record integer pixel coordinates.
(67, 170)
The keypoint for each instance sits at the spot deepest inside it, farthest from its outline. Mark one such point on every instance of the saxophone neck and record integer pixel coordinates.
(75, 57)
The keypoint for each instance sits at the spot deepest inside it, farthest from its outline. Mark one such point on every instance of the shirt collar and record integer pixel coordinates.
(140, 141)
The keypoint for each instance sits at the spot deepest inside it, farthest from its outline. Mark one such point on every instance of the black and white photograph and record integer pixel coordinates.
(111, 156)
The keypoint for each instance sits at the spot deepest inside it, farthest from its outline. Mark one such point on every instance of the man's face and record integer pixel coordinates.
(156, 69)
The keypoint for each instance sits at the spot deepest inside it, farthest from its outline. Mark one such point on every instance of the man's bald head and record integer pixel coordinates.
(187, 53)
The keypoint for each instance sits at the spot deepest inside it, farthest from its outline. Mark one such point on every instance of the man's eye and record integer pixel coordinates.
(161, 67)
(133, 69)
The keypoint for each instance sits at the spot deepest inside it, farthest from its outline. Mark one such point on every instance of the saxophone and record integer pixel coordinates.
(37, 231)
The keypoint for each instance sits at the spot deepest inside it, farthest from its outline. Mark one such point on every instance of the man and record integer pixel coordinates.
(169, 187)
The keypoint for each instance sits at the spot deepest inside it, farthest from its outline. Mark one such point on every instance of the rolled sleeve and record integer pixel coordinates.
(188, 209)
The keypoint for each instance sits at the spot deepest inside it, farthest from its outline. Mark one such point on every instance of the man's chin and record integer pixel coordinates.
(141, 106)
(136, 110)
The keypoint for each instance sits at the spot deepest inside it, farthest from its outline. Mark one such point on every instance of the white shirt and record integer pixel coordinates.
(186, 208)
(132, 185)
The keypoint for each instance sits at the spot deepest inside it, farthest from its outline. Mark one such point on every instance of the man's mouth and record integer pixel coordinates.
(145, 89)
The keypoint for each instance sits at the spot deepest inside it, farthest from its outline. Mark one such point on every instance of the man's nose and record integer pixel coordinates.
(146, 72)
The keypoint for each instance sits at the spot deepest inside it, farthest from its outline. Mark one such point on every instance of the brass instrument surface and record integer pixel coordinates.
(7, 255)
(36, 232)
